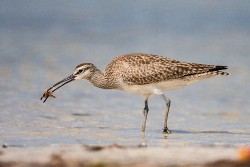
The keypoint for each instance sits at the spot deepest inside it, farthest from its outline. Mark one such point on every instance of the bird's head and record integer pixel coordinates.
(82, 71)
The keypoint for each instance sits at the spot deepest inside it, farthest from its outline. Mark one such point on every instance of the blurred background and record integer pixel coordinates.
(41, 42)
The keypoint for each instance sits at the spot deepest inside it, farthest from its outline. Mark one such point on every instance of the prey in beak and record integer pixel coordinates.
(82, 71)
(49, 92)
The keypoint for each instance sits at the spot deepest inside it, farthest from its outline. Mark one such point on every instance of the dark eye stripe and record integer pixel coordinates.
(81, 70)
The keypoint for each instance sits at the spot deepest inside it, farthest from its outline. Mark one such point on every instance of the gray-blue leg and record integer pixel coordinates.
(168, 102)
(145, 114)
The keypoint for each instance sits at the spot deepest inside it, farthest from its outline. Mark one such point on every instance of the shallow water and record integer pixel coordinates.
(42, 42)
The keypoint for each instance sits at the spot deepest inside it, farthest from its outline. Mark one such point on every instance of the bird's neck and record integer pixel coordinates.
(99, 80)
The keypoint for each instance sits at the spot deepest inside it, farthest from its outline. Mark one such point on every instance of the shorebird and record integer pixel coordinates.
(143, 74)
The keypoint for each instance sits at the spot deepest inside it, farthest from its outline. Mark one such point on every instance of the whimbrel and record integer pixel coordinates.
(143, 74)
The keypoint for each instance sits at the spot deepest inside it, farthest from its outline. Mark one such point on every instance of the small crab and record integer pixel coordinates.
(47, 94)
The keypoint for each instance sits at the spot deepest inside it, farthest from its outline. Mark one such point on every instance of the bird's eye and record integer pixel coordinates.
(80, 71)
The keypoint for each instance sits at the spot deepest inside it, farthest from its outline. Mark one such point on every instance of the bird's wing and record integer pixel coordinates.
(144, 69)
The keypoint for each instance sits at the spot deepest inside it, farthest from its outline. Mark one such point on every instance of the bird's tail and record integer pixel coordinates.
(217, 70)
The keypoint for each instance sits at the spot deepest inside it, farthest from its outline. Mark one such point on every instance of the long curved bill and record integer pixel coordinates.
(48, 92)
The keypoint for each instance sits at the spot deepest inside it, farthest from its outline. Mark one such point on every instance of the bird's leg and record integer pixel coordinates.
(145, 114)
(165, 129)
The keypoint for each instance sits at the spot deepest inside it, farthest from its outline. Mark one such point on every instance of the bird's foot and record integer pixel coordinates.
(166, 131)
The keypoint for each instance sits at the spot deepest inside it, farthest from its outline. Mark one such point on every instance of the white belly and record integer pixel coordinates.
(157, 88)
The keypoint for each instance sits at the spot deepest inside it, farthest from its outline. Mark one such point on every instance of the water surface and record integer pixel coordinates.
(41, 42)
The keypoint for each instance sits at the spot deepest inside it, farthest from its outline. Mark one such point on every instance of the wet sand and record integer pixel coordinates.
(119, 155)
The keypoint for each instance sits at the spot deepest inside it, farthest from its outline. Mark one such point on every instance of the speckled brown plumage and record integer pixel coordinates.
(141, 69)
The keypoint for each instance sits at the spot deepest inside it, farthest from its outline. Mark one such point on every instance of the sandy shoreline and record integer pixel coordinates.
(117, 155)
